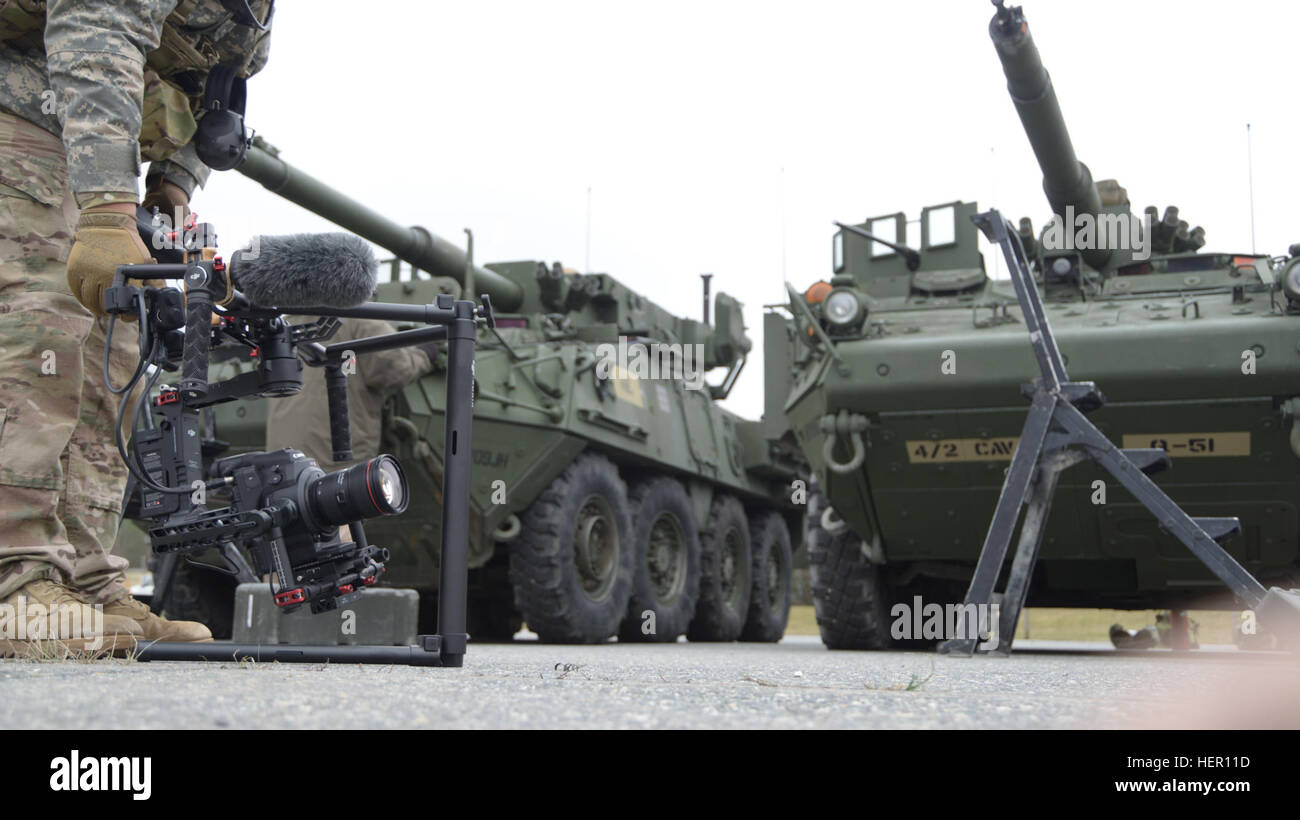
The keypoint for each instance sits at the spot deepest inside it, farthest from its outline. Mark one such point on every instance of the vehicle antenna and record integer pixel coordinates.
(587, 264)
(1250, 178)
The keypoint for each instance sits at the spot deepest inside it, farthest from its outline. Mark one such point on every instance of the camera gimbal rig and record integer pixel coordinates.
(281, 505)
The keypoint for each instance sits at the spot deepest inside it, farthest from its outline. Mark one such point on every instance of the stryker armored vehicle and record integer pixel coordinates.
(905, 394)
(611, 493)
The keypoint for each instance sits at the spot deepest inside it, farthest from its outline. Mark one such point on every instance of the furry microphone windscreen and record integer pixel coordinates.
(306, 270)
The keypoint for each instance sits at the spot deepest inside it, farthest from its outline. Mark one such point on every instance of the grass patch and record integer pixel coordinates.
(1049, 624)
(60, 652)
(802, 621)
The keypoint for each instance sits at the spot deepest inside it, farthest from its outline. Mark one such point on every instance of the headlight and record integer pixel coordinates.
(842, 307)
(1291, 280)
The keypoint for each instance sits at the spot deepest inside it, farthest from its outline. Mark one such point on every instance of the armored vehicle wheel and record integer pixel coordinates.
(571, 567)
(203, 595)
(666, 549)
(769, 597)
(848, 595)
(492, 620)
(726, 565)
(492, 615)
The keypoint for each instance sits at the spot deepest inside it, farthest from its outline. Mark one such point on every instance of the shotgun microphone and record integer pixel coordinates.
(305, 270)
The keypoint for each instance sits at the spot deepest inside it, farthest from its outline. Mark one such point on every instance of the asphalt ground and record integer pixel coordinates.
(791, 685)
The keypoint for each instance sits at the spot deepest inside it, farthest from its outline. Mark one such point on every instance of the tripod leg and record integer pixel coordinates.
(453, 578)
(236, 562)
(1024, 464)
(162, 580)
(1170, 515)
(1022, 566)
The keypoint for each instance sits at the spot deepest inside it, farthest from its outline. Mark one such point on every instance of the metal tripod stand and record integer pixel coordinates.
(1058, 434)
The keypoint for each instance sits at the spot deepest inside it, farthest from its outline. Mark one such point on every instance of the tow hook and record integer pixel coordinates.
(846, 424)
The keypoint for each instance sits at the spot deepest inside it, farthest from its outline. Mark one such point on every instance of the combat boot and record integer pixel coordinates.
(46, 618)
(156, 627)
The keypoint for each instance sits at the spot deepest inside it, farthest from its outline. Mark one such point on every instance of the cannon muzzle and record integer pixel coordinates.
(1066, 181)
(414, 245)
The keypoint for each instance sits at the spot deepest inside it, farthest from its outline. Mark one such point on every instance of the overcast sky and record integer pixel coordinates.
(725, 137)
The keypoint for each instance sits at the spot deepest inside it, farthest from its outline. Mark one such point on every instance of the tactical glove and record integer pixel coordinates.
(168, 198)
(104, 240)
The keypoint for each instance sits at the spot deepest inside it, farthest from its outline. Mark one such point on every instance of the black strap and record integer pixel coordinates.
(225, 90)
(243, 14)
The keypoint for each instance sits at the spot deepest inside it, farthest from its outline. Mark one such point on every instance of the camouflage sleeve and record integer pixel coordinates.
(183, 168)
(390, 369)
(95, 52)
(261, 52)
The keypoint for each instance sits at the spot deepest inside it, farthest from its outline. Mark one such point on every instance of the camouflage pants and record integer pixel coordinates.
(61, 480)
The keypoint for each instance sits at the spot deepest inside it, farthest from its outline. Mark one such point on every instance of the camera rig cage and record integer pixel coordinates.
(279, 505)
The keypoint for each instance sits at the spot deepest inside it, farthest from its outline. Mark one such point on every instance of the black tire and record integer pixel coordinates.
(492, 621)
(666, 551)
(726, 565)
(203, 595)
(490, 613)
(848, 592)
(569, 589)
(769, 597)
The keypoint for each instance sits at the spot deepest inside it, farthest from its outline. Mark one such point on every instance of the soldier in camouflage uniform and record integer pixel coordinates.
(302, 421)
(86, 89)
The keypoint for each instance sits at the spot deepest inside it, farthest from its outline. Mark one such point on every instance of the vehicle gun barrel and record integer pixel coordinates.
(414, 245)
(1067, 182)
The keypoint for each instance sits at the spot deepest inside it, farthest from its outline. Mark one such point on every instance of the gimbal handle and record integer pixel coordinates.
(336, 392)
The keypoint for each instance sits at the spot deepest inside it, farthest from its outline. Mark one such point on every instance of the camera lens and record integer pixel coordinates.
(366, 490)
(390, 486)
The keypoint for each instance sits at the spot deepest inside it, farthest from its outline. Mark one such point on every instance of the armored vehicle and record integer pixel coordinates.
(905, 394)
(611, 492)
